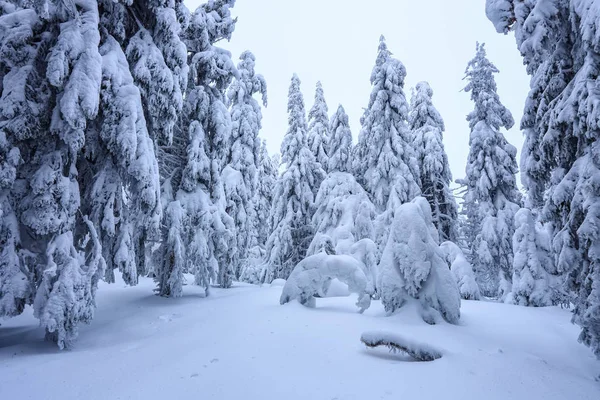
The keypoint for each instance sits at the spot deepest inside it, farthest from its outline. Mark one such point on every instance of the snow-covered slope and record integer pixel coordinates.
(241, 344)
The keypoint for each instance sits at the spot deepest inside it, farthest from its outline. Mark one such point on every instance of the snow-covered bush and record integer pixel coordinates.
(313, 275)
(462, 270)
(412, 268)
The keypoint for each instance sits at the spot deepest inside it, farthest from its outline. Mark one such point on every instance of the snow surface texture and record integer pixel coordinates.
(462, 270)
(412, 268)
(148, 347)
(313, 276)
(418, 351)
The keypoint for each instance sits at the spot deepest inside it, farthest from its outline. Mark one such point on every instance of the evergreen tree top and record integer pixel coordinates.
(318, 112)
(482, 85)
(296, 136)
(422, 110)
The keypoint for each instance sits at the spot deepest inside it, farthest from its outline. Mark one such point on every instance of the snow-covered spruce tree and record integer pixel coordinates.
(244, 156)
(194, 163)
(318, 129)
(340, 142)
(385, 161)
(427, 128)
(492, 197)
(412, 267)
(534, 275)
(52, 71)
(293, 199)
(559, 42)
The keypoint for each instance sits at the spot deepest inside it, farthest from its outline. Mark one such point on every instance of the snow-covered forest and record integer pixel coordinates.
(136, 185)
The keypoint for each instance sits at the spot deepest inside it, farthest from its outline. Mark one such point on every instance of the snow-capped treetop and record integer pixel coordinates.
(383, 54)
(385, 160)
(427, 128)
(246, 119)
(318, 128)
(422, 112)
(482, 85)
(340, 142)
(296, 136)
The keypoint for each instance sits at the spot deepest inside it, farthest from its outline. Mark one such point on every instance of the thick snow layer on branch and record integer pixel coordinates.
(313, 275)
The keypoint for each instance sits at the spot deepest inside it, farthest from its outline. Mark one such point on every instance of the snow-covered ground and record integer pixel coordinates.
(241, 344)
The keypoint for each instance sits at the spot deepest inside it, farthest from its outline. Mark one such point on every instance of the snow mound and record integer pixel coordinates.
(278, 282)
(419, 351)
(462, 271)
(313, 275)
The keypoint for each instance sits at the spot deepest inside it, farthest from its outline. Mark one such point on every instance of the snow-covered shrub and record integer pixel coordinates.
(412, 267)
(462, 270)
(312, 276)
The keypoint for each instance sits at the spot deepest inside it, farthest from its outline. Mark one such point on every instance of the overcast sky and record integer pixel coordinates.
(335, 41)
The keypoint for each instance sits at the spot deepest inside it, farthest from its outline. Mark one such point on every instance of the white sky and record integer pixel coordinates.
(335, 41)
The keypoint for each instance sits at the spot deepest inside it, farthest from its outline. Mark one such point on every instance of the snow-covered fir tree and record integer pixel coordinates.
(244, 155)
(534, 275)
(293, 199)
(198, 235)
(318, 129)
(385, 163)
(427, 128)
(559, 42)
(340, 142)
(492, 197)
(52, 71)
